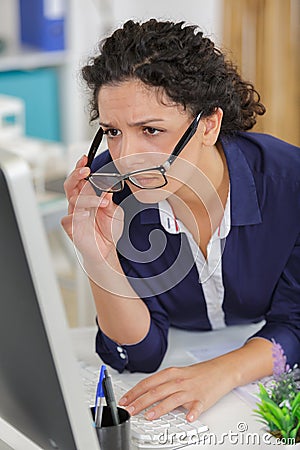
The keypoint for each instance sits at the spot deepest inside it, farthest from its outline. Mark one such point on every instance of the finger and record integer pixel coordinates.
(138, 390)
(112, 210)
(149, 383)
(81, 162)
(197, 407)
(171, 402)
(70, 220)
(152, 396)
(66, 223)
(171, 394)
(79, 174)
(82, 188)
(89, 201)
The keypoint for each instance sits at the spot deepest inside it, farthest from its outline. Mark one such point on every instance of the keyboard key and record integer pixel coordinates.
(168, 431)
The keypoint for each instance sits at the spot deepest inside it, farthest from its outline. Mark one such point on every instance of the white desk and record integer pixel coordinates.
(226, 418)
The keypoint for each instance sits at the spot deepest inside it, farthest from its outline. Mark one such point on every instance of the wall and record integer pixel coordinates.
(206, 14)
(88, 21)
(99, 17)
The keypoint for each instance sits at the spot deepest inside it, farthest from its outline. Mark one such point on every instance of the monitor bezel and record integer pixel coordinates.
(33, 235)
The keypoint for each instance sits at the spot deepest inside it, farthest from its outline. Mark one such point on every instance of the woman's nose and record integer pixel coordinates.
(131, 154)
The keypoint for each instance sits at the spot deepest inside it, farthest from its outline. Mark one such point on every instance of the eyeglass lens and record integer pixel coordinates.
(151, 179)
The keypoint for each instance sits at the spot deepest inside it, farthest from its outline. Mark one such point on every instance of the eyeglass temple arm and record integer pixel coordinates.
(185, 139)
(94, 147)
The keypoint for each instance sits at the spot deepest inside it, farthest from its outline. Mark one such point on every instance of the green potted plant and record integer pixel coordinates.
(279, 401)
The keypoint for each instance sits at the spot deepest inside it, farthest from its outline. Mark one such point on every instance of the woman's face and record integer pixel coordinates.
(142, 128)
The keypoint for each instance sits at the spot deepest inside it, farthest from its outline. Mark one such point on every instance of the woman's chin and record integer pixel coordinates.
(150, 195)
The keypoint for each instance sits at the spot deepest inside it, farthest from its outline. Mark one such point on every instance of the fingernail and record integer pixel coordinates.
(104, 201)
(150, 415)
(84, 171)
(123, 401)
(130, 409)
(190, 417)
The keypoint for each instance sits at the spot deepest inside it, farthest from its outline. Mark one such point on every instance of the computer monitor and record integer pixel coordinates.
(41, 396)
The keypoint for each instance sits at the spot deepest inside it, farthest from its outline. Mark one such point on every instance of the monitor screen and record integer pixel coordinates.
(32, 398)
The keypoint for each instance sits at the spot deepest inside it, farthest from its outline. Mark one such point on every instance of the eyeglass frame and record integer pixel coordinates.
(181, 144)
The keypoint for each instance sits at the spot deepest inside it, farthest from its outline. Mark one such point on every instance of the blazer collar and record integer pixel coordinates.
(244, 201)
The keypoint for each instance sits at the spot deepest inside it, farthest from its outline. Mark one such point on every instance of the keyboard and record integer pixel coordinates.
(169, 431)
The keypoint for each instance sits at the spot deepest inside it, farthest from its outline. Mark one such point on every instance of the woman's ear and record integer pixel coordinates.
(212, 126)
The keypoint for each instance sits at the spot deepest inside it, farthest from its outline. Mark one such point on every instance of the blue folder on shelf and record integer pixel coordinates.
(42, 24)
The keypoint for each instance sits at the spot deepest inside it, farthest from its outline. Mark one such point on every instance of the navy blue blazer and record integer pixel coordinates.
(260, 261)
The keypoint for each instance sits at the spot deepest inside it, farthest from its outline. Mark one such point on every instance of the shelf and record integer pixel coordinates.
(26, 58)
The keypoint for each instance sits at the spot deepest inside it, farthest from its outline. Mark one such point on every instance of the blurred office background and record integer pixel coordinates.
(43, 103)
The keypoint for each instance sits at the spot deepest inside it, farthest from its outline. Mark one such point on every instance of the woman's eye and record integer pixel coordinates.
(112, 132)
(152, 131)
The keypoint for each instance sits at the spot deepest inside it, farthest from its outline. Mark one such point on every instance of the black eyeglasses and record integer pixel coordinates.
(151, 178)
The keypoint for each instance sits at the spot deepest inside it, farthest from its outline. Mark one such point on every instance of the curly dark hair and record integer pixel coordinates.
(178, 59)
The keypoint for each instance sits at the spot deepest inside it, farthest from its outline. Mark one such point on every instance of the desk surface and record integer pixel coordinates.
(232, 423)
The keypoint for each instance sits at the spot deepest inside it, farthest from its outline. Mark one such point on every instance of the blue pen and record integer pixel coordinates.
(99, 397)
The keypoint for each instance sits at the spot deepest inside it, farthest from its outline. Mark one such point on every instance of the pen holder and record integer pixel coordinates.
(110, 436)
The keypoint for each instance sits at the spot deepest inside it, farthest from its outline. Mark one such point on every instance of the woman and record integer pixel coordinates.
(196, 221)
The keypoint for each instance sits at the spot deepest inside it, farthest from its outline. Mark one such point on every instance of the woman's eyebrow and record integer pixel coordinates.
(106, 125)
(133, 124)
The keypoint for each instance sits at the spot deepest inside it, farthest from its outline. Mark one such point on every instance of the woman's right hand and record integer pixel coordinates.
(94, 223)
